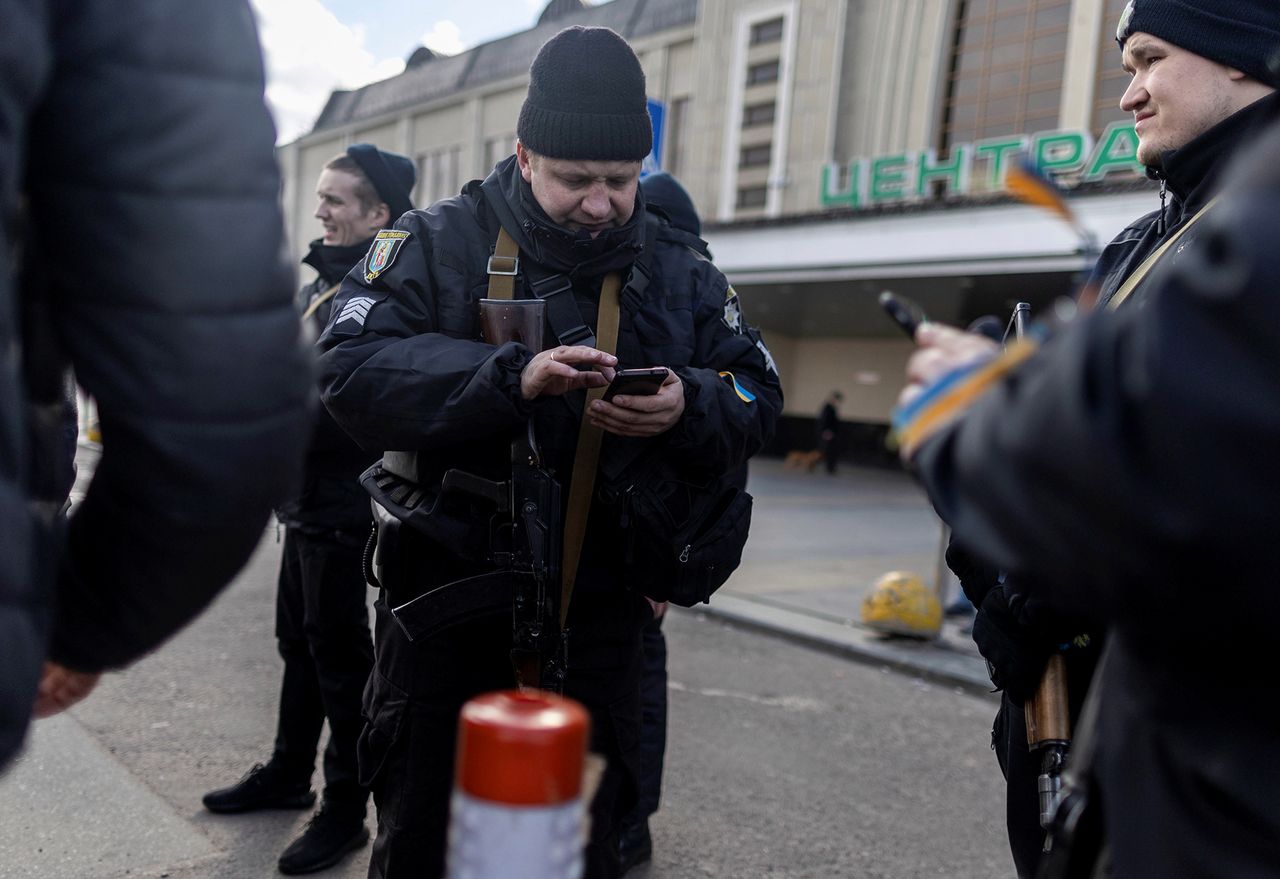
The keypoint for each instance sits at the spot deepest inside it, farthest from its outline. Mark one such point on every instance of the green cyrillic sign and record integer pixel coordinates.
(917, 175)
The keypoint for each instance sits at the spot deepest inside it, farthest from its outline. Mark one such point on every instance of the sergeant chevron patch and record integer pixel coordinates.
(355, 312)
(382, 253)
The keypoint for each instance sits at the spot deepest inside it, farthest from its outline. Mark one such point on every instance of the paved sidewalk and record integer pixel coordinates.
(819, 542)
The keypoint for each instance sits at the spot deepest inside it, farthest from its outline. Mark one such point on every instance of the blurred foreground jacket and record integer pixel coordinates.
(153, 262)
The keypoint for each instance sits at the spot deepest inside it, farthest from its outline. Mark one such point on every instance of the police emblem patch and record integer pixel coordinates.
(382, 253)
(732, 316)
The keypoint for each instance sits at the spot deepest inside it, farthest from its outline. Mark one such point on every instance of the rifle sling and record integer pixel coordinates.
(1140, 273)
(558, 292)
(319, 301)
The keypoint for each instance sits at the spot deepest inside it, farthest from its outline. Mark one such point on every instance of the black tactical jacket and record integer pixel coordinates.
(403, 367)
(331, 499)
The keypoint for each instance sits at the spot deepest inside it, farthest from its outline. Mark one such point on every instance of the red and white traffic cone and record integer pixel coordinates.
(519, 810)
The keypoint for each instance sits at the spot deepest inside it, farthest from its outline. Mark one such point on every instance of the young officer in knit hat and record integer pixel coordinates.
(1201, 89)
(322, 621)
(404, 368)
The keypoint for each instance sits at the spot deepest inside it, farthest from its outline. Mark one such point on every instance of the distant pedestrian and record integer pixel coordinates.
(322, 621)
(829, 430)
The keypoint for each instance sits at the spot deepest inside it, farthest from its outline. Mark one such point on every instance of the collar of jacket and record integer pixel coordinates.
(1191, 171)
(575, 254)
(333, 261)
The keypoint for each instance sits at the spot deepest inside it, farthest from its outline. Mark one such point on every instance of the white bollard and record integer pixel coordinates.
(518, 809)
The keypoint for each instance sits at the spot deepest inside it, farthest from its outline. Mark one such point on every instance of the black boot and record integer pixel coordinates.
(263, 787)
(635, 846)
(333, 831)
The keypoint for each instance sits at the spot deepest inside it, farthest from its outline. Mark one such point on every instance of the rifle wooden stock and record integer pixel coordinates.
(1047, 714)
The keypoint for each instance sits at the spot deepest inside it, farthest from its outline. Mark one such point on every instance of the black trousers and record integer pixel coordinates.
(653, 720)
(418, 689)
(322, 629)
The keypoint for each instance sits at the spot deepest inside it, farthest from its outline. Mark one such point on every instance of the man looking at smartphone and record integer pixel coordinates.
(404, 369)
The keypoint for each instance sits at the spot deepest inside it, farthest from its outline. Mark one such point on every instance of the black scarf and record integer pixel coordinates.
(333, 261)
(553, 247)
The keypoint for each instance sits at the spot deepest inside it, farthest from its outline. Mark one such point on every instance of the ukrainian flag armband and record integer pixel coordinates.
(949, 397)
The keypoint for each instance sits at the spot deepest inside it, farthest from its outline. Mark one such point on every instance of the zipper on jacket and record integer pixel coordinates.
(1164, 194)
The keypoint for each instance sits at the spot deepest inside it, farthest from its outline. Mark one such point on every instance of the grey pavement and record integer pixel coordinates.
(818, 544)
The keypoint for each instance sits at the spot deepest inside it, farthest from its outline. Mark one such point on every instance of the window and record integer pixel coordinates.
(765, 71)
(496, 149)
(676, 113)
(752, 197)
(438, 175)
(1112, 80)
(755, 156)
(759, 114)
(1006, 69)
(766, 31)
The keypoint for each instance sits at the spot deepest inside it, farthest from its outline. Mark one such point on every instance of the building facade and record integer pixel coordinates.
(835, 149)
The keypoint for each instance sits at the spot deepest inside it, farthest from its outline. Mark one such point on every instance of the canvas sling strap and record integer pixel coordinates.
(1140, 273)
(506, 258)
(319, 301)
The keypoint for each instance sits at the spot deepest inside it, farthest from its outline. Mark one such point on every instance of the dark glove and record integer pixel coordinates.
(977, 578)
(1016, 654)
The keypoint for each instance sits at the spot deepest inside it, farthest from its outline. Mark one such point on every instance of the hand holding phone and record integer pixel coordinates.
(636, 382)
(905, 313)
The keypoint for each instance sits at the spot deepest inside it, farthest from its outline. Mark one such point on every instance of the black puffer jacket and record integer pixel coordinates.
(403, 367)
(331, 499)
(137, 132)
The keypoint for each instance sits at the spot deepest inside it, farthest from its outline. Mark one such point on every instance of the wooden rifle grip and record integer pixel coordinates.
(1047, 714)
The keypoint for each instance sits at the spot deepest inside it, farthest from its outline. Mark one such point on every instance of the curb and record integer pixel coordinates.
(928, 659)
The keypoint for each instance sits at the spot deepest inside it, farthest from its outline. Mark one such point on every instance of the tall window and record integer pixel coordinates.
(496, 149)
(438, 174)
(766, 31)
(676, 113)
(1112, 80)
(1006, 69)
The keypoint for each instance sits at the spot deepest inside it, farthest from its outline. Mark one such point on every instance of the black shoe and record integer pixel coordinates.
(263, 787)
(635, 845)
(330, 834)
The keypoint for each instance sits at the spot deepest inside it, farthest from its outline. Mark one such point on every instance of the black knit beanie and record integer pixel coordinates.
(586, 99)
(1244, 34)
(391, 174)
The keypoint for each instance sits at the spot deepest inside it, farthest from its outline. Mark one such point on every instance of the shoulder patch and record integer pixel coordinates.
(382, 253)
(353, 315)
(732, 315)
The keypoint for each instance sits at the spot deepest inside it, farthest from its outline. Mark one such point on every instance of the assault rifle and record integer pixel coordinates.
(524, 546)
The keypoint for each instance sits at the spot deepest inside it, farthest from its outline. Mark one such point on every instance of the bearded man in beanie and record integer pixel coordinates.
(1201, 89)
(322, 621)
(405, 368)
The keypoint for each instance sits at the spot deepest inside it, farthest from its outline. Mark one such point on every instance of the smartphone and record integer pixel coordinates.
(637, 382)
(905, 313)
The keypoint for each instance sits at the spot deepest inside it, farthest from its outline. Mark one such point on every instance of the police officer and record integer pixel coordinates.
(404, 369)
(1198, 92)
(322, 623)
(1151, 506)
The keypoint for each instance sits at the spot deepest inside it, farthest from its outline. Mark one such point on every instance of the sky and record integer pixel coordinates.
(315, 46)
